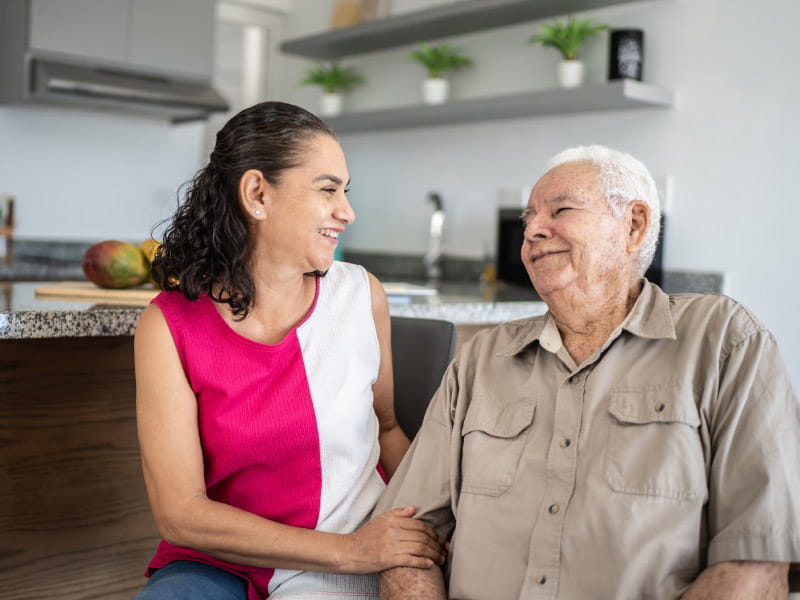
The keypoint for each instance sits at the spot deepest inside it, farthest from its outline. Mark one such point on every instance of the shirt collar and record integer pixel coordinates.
(650, 317)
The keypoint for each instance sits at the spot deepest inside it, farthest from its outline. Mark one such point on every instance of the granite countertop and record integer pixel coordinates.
(23, 315)
(461, 298)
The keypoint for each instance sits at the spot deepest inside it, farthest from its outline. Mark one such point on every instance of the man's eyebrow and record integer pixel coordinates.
(333, 178)
(565, 197)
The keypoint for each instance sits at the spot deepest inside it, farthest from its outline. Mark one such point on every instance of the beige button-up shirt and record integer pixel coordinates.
(674, 447)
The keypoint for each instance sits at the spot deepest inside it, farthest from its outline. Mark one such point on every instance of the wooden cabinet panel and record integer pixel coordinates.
(74, 518)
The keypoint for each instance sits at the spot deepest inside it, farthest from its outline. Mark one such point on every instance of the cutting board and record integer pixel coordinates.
(86, 291)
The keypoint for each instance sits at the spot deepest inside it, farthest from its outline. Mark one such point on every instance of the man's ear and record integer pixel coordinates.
(253, 189)
(638, 214)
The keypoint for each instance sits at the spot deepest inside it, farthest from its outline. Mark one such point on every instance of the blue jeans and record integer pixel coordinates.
(188, 580)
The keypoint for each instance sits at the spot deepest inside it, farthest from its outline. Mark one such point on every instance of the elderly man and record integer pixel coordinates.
(629, 444)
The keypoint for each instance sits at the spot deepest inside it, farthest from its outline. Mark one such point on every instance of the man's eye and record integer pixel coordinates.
(347, 190)
(562, 209)
(329, 190)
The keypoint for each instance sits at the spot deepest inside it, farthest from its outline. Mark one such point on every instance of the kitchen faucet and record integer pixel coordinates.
(433, 257)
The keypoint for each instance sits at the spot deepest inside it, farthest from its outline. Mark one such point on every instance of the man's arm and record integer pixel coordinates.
(737, 580)
(403, 583)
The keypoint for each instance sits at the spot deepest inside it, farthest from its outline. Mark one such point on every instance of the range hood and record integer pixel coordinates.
(53, 81)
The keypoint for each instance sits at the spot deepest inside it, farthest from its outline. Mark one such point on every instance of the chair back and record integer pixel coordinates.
(421, 351)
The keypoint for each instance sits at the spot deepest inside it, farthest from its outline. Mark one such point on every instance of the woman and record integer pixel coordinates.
(264, 381)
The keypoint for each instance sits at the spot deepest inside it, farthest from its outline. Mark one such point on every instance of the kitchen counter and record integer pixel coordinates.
(23, 315)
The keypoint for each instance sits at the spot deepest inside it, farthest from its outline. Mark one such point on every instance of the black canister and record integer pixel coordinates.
(626, 54)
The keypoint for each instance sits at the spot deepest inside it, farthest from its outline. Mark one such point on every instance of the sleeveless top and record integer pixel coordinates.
(288, 430)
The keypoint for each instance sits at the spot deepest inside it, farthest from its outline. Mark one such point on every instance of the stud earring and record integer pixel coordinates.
(258, 212)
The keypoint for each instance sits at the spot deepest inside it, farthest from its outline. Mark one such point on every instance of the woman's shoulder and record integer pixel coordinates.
(175, 305)
(345, 269)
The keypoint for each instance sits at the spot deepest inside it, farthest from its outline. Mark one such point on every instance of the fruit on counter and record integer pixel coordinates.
(115, 264)
(149, 247)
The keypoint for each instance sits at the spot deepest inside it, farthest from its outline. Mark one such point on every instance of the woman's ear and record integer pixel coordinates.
(252, 194)
(638, 223)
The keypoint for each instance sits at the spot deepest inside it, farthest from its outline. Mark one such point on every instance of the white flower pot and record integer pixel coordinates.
(330, 105)
(571, 73)
(435, 90)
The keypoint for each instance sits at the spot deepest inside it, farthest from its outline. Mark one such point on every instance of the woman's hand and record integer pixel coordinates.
(392, 539)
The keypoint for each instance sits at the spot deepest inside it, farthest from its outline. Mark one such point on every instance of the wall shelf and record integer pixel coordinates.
(622, 94)
(454, 18)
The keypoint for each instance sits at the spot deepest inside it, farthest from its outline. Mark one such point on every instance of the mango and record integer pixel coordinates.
(114, 264)
(150, 247)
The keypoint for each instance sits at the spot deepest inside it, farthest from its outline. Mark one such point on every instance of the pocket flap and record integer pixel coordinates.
(498, 419)
(654, 405)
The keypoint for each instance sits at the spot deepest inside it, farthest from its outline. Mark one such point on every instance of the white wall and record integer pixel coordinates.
(80, 175)
(730, 142)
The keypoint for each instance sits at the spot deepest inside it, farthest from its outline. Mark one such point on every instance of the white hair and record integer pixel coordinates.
(622, 180)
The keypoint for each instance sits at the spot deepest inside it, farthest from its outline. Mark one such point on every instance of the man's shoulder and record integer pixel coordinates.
(713, 315)
(504, 337)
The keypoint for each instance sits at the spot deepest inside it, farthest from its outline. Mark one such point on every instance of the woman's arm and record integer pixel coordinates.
(393, 441)
(173, 469)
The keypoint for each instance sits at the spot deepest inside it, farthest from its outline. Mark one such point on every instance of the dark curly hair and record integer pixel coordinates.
(207, 246)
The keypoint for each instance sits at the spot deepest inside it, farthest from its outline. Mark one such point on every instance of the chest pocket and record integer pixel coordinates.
(493, 436)
(654, 446)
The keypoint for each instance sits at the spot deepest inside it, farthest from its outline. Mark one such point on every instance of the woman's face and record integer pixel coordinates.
(308, 210)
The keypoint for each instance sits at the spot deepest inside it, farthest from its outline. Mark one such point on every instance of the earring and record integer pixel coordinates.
(258, 212)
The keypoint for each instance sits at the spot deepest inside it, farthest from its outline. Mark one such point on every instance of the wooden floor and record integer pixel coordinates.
(74, 518)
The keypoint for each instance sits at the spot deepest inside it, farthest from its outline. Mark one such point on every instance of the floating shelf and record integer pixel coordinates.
(623, 94)
(454, 18)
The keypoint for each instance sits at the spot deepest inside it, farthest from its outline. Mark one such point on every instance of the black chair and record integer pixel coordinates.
(421, 351)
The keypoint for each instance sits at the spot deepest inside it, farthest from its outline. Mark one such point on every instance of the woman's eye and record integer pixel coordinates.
(347, 190)
(329, 190)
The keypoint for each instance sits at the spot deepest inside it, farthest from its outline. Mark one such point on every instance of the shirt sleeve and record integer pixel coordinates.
(428, 476)
(754, 483)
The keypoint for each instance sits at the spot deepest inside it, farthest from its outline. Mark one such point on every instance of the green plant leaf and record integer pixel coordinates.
(333, 78)
(438, 59)
(567, 37)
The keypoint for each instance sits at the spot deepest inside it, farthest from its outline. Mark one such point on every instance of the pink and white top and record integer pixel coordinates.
(288, 430)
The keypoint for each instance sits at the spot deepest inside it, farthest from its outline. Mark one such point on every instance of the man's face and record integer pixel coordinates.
(573, 243)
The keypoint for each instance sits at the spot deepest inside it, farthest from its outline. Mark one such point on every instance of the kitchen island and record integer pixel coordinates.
(74, 517)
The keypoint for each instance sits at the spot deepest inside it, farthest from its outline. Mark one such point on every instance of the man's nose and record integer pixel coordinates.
(536, 227)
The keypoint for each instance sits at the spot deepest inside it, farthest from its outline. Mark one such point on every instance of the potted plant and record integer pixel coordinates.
(437, 60)
(568, 38)
(334, 80)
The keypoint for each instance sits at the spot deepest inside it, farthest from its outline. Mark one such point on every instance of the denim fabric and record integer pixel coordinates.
(187, 580)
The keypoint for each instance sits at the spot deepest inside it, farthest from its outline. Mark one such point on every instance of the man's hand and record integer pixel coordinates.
(741, 580)
(403, 583)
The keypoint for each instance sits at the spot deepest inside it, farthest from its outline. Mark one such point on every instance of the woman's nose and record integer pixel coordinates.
(344, 212)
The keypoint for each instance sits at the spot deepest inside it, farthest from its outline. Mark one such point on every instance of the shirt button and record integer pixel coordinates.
(553, 509)
(541, 580)
(660, 407)
(565, 443)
